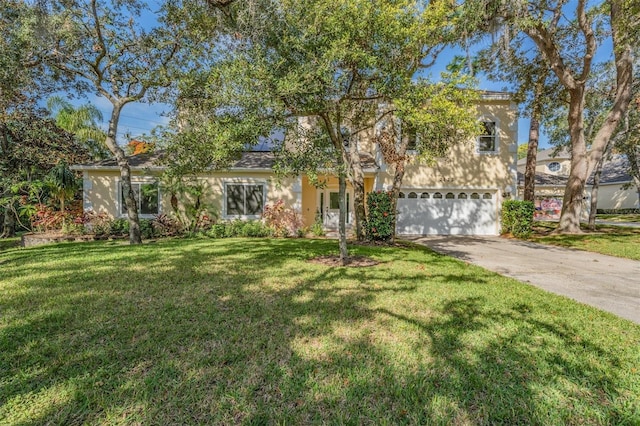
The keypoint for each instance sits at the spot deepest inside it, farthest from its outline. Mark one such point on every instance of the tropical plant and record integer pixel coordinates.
(62, 183)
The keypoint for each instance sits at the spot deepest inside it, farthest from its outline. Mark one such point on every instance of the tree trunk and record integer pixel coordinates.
(135, 236)
(532, 152)
(341, 158)
(574, 191)
(398, 175)
(9, 224)
(342, 222)
(624, 84)
(534, 137)
(594, 195)
(357, 183)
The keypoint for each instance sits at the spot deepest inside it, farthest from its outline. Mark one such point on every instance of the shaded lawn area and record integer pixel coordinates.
(249, 332)
(9, 243)
(611, 240)
(620, 217)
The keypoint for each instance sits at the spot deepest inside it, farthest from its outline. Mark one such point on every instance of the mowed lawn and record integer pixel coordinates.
(616, 241)
(248, 331)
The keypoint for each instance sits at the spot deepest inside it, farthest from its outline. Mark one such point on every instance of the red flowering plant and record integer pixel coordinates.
(283, 221)
(380, 216)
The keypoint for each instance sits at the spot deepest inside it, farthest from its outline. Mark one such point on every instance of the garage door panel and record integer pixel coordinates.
(447, 216)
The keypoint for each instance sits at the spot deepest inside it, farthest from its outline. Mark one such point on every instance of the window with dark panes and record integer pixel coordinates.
(244, 199)
(487, 141)
(147, 197)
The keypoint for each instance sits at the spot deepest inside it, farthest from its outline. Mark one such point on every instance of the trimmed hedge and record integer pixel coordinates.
(618, 211)
(517, 218)
(379, 224)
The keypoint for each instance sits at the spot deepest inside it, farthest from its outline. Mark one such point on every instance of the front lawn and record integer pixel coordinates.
(611, 240)
(249, 331)
(635, 218)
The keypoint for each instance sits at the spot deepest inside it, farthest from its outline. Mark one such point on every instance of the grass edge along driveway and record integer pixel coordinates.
(250, 332)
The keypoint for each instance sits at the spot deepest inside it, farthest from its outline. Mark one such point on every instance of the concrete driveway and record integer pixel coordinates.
(609, 283)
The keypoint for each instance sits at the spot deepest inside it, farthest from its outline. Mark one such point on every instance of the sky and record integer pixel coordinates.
(140, 118)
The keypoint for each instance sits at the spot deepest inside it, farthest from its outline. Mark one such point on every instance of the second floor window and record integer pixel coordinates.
(488, 139)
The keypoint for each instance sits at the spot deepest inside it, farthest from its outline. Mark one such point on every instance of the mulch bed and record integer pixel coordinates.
(352, 261)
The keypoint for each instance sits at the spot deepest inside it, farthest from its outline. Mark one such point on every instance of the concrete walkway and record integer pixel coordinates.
(608, 283)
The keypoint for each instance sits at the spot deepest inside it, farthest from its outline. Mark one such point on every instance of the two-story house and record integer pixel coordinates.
(460, 194)
(616, 190)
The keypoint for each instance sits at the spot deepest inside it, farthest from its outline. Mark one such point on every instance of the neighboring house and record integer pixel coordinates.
(459, 194)
(552, 170)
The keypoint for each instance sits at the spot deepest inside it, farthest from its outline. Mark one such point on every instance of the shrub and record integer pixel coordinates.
(98, 223)
(146, 228)
(380, 216)
(618, 211)
(120, 227)
(217, 230)
(284, 221)
(47, 219)
(517, 218)
(238, 228)
(317, 228)
(166, 226)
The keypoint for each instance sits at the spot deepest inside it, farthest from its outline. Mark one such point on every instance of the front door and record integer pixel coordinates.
(328, 202)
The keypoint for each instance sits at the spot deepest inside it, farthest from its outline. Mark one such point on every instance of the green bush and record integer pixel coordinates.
(146, 228)
(120, 227)
(618, 211)
(380, 216)
(238, 228)
(217, 230)
(517, 218)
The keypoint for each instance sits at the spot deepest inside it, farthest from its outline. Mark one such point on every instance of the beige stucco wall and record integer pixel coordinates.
(464, 167)
(612, 196)
(565, 166)
(101, 190)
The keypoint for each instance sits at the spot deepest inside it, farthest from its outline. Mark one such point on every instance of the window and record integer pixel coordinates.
(488, 140)
(449, 196)
(401, 195)
(487, 196)
(437, 195)
(411, 137)
(424, 195)
(462, 196)
(147, 196)
(475, 196)
(554, 166)
(243, 199)
(413, 195)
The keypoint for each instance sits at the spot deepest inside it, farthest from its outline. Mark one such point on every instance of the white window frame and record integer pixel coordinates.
(244, 182)
(137, 181)
(496, 137)
(554, 162)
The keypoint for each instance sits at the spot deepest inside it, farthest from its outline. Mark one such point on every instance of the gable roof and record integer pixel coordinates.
(615, 170)
(250, 160)
(549, 154)
(544, 179)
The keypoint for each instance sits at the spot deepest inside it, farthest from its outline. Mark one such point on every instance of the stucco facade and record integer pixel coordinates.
(461, 193)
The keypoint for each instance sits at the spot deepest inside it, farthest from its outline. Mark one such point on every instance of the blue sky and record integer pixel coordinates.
(138, 118)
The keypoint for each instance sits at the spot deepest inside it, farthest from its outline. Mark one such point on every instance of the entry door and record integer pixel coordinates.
(328, 202)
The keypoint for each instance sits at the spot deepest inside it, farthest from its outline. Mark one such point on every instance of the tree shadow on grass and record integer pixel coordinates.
(246, 331)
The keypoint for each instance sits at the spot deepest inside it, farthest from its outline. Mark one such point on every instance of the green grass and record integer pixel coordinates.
(611, 240)
(250, 332)
(635, 218)
(9, 243)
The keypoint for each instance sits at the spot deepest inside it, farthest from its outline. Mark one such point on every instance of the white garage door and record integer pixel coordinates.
(447, 213)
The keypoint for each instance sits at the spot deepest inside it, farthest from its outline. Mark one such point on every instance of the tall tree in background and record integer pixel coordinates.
(328, 64)
(30, 147)
(106, 50)
(82, 121)
(567, 38)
